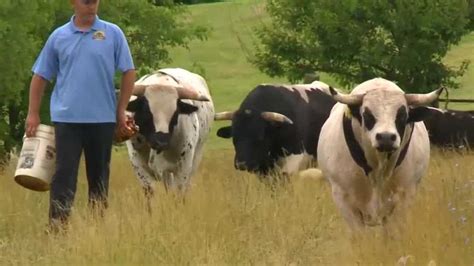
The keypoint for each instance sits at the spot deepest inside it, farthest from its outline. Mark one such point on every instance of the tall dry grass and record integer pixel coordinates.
(231, 218)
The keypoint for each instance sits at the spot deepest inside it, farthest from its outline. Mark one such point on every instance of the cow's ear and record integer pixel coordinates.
(417, 114)
(134, 105)
(186, 108)
(355, 111)
(225, 132)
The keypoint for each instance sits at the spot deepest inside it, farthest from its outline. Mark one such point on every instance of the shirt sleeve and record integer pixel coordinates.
(123, 56)
(46, 64)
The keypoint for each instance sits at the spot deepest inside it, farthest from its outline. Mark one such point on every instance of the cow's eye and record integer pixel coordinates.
(402, 115)
(369, 119)
(401, 120)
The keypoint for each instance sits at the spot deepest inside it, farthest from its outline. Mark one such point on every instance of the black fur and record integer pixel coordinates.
(450, 129)
(259, 143)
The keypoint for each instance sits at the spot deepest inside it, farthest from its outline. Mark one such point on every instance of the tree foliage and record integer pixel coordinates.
(186, 2)
(355, 40)
(25, 26)
(21, 25)
(151, 30)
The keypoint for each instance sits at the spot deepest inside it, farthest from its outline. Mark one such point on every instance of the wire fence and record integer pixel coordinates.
(447, 101)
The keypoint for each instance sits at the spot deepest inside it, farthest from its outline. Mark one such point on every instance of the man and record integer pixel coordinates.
(83, 56)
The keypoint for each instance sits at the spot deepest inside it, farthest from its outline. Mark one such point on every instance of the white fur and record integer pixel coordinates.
(293, 163)
(176, 165)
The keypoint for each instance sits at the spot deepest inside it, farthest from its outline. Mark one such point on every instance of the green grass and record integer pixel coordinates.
(455, 56)
(222, 59)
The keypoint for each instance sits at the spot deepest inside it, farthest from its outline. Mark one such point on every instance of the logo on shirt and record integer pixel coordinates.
(99, 35)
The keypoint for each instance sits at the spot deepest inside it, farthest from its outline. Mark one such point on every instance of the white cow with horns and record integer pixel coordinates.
(374, 151)
(174, 112)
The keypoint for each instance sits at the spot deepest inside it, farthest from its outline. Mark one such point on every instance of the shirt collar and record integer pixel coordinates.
(95, 26)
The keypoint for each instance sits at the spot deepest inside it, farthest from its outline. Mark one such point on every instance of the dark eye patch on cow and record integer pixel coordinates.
(401, 120)
(369, 119)
(186, 108)
(143, 117)
(135, 105)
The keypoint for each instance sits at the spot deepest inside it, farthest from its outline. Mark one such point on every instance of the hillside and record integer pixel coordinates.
(222, 59)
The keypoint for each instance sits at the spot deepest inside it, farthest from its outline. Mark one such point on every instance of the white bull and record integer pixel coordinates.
(373, 150)
(174, 112)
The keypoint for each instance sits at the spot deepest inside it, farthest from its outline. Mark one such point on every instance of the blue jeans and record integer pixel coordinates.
(95, 139)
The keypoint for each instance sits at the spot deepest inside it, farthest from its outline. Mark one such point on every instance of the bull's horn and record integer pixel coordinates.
(276, 117)
(139, 90)
(184, 92)
(349, 99)
(423, 99)
(224, 115)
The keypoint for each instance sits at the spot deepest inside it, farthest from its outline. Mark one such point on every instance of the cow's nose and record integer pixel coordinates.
(160, 141)
(386, 141)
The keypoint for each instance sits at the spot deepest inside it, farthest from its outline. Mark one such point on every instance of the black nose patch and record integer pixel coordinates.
(160, 141)
(385, 141)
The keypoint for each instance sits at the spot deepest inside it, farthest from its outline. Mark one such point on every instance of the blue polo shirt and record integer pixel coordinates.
(84, 65)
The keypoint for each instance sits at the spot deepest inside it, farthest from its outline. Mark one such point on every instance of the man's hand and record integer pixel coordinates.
(31, 124)
(125, 128)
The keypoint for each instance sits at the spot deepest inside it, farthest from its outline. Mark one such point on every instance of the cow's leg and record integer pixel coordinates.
(174, 187)
(400, 201)
(149, 192)
(168, 181)
(350, 213)
(190, 149)
(139, 160)
(184, 172)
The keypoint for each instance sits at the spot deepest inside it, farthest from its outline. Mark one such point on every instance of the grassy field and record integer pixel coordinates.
(232, 219)
(229, 217)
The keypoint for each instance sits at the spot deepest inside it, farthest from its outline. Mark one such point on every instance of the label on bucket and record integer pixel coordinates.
(28, 154)
(49, 157)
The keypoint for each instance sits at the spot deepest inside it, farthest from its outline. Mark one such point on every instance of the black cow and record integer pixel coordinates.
(451, 128)
(277, 127)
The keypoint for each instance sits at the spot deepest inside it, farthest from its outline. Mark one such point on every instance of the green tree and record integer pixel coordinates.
(186, 2)
(25, 25)
(151, 30)
(355, 40)
(21, 23)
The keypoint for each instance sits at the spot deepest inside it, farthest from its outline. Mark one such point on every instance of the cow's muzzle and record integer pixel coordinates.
(256, 168)
(160, 141)
(240, 165)
(386, 142)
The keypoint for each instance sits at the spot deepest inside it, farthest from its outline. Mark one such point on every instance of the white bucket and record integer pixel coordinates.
(37, 161)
